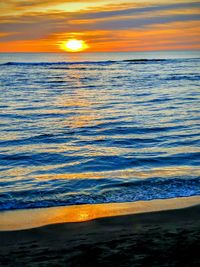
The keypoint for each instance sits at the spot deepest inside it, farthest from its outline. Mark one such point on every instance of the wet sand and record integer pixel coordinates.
(161, 238)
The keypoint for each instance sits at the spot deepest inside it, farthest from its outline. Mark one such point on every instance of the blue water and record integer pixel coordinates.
(98, 128)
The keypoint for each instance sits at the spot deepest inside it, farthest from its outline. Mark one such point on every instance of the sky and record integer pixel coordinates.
(105, 25)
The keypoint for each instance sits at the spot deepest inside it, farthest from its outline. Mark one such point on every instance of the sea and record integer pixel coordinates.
(92, 128)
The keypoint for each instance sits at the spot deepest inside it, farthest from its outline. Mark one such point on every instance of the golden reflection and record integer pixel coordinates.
(82, 101)
(129, 173)
(80, 120)
(25, 219)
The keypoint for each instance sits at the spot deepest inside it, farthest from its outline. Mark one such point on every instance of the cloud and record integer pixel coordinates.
(98, 25)
(132, 11)
(38, 25)
(38, 3)
(11, 6)
(141, 22)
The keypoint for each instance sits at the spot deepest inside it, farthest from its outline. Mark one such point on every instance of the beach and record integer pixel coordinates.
(160, 238)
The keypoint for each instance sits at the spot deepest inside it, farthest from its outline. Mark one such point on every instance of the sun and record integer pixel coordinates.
(74, 45)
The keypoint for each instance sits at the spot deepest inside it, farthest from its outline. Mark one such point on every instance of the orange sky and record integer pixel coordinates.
(140, 25)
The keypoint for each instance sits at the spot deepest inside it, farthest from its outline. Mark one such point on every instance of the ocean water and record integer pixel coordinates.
(98, 128)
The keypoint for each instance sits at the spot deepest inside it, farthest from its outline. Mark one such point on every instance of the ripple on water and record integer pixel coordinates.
(98, 132)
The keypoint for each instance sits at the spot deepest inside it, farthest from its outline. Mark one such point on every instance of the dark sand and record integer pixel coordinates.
(165, 238)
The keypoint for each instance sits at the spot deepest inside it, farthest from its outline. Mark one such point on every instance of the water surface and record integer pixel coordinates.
(98, 128)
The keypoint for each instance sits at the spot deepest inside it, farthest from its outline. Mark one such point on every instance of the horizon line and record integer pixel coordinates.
(85, 52)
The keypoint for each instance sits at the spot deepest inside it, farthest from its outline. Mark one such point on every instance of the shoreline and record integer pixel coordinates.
(34, 218)
(167, 238)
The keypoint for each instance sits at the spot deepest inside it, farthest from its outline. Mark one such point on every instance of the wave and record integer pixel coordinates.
(96, 191)
(144, 60)
(54, 63)
(81, 62)
(105, 62)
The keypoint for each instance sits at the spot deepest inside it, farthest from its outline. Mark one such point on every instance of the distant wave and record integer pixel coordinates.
(82, 62)
(131, 61)
(144, 60)
(55, 63)
(55, 193)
